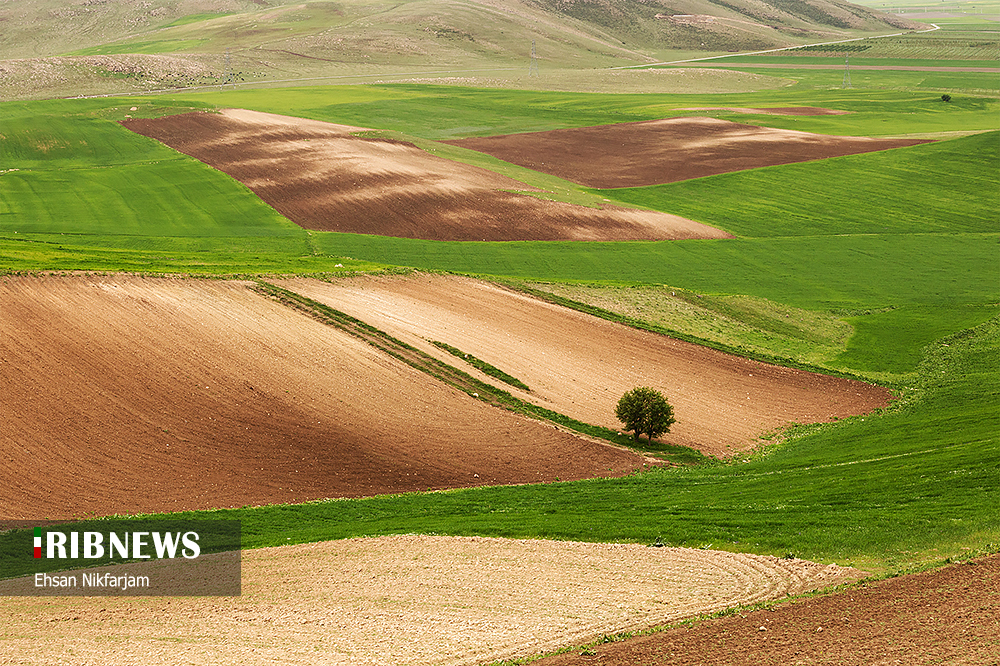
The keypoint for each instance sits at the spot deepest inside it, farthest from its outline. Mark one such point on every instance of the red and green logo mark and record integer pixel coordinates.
(38, 542)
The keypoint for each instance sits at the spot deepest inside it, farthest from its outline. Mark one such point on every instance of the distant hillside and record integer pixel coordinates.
(136, 44)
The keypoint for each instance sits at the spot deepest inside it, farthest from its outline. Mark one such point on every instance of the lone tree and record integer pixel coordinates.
(645, 410)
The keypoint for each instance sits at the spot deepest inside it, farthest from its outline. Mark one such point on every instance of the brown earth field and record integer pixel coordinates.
(323, 176)
(946, 616)
(125, 394)
(407, 599)
(666, 151)
(579, 365)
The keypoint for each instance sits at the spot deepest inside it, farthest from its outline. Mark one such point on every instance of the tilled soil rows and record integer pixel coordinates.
(666, 151)
(324, 176)
(130, 395)
(406, 600)
(579, 365)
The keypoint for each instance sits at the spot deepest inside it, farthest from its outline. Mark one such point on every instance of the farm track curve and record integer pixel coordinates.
(409, 599)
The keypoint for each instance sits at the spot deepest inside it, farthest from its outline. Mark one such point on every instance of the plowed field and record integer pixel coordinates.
(324, 177)
(580, 366)
(396, 600)
(948, 616)
(666, 151)
(124, 395)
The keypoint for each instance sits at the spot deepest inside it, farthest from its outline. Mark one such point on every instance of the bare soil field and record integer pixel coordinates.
(946, 616)
(773, 111)
(124, 394)
(405, 600)
(321, 176)
(666, 151)
(580, 366)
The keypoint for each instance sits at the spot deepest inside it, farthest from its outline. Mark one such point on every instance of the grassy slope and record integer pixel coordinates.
(580, 31)
(83, 193)
(116, 47)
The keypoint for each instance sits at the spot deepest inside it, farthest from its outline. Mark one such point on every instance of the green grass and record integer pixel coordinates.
(843, 271)
(745, 325)
(193, 18)
(974, 83)
(147, 47)
(80, 192)
(891, 341)
(447, 112)
(944, 187)
(482, 365)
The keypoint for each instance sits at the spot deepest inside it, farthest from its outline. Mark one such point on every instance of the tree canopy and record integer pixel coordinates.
(645, 410)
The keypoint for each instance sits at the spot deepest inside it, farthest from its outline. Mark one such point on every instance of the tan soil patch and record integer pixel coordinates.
(580, 366)
(124, 394)
(666, 151)
(406, 600)
(321, 176)
(775, 111)
(947, 616)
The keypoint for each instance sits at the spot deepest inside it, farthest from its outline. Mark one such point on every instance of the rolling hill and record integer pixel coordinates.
(62, 47)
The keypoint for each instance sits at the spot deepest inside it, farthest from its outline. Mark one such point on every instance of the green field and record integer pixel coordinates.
(887, 263)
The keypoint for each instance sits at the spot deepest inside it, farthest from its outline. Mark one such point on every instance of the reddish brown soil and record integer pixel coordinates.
(124, 394)
(578, 365)
(321, 176)
(666, 151)
(947, 616)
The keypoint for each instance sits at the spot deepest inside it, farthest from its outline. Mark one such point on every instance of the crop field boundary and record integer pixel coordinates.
(662, 330)
(467, 383)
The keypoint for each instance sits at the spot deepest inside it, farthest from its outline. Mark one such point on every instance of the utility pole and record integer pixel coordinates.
(847, 71)
(533, 68)
(227, 77)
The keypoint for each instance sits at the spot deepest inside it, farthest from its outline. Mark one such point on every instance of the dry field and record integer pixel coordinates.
(667, 151)
(579, 365)
(321, 176)
(947, 616)
(124, 394)
(415, 600)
